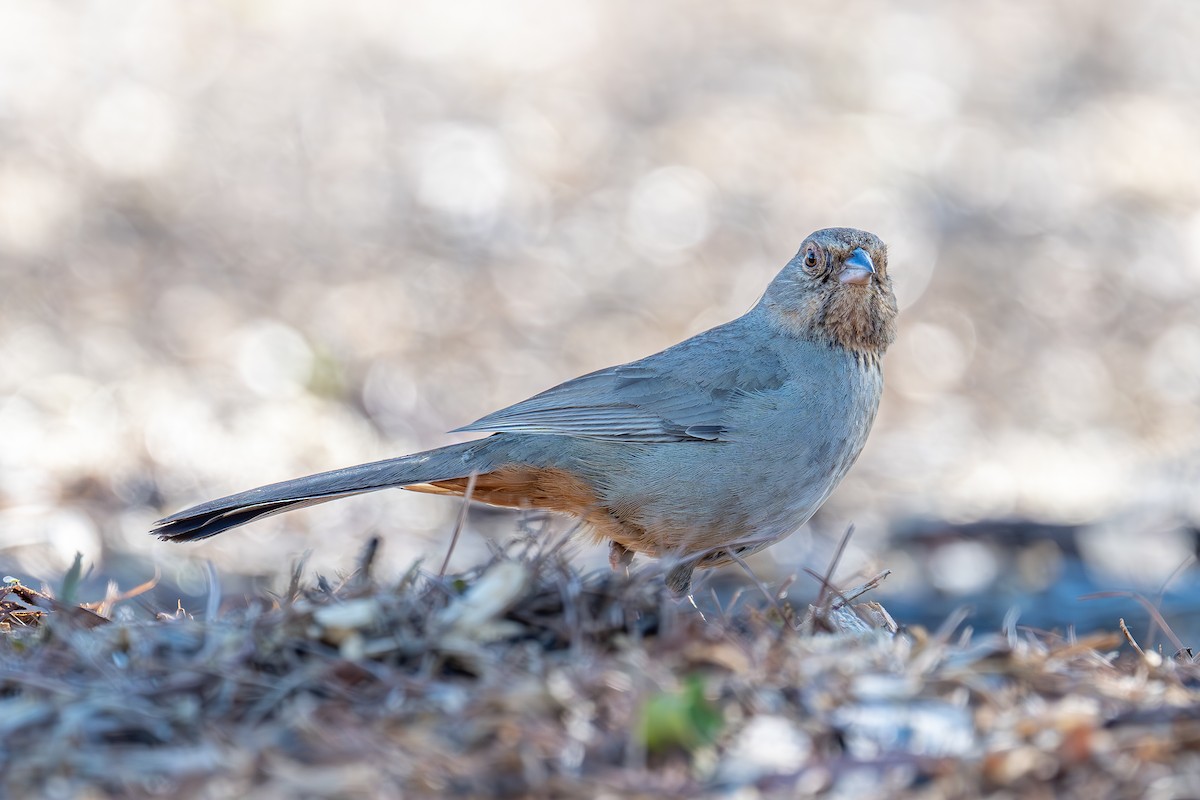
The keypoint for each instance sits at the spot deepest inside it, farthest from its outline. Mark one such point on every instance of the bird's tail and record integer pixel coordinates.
(217, 516)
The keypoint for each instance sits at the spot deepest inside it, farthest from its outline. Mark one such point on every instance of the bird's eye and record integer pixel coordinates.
(811, 258)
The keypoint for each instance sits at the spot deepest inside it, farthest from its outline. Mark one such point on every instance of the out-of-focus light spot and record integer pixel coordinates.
(1055, 281)
(345, 140)
(1140, 143)
(669, 211)
(463, 175)
(1125, 551)
(191, 319)
(939, 730)
(930, 48)
(33, 205)
(1046, 195)
(30, 353)
(917, 95)
(390, 394)
(519, 35)
(1192, 231)
(963, 567)
(1039, 565)
(357, 201)
(1172, 368)
(90, 421)
(37, 52)
(110, 350)
(364, 321)
(768, 745)
(191, 577)
(153, 37)
(908, 576)
(931, 360)
(532, 136)
(1069, 481)
(1160, 270)
(187, 432)
(985, 489)
(130, 132)
(541, 292)
(23, 476)
(273, 359)
(974, 161)
(1073, 385)
(69, 532)
(48, 538)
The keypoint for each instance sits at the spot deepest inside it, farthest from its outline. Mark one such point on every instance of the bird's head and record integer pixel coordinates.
(837, 289)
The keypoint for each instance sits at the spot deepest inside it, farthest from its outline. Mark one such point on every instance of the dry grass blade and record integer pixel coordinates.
(1184, 565)
(1129, 638)
(366, 559)
(460, 522)
(853, 594)
(21, 606)
(839, 615)
(115, 595)
(771, 597)
(1151, 609)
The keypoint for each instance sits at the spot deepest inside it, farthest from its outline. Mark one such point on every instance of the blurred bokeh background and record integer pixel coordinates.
(242, 241)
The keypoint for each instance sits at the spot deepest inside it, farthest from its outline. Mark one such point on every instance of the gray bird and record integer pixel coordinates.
(724, 443)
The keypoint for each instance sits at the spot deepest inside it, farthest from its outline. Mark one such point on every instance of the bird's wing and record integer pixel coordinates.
(682, 394)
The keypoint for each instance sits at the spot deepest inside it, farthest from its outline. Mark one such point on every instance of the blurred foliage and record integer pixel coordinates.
(681, 719)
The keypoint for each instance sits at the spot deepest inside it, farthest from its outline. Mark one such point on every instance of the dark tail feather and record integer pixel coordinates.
(194, 523)
(216, 516)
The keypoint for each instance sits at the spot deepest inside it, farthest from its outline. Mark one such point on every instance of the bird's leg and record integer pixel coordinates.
(679, 579)
(619, 556)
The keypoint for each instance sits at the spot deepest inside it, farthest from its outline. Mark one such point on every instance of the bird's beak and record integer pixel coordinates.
(858, 268)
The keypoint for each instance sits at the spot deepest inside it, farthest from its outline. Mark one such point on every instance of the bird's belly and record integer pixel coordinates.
(723, 495)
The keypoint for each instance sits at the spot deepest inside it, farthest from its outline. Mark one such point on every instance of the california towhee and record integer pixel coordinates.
(724, 443)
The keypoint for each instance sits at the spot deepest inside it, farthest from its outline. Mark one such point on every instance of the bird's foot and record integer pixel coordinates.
(619, 556)
(679, 579)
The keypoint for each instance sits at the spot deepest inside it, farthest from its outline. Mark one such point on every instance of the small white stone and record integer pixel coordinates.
(768, 745)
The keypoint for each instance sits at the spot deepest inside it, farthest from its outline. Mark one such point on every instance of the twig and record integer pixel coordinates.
(1151, 609)
(105, 607)
(366, 558)
(1162, 592)
(771, 598)
(827, 581)
(460, 522)
(1129, 637)
(213, 603)
(950, 624)
(297, 575)
(859, 591)
(844, 599)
